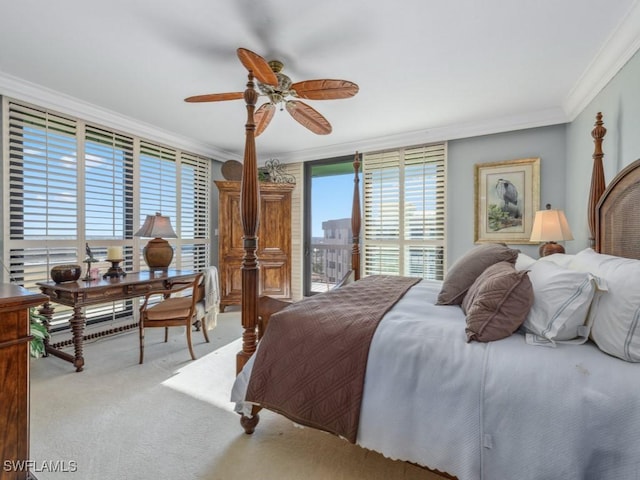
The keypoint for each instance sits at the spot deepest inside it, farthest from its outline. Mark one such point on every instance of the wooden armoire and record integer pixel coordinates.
(274, 241)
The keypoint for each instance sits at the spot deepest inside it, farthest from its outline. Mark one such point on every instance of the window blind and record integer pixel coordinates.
(158, 185)
(43, 194)
(72, 183)
(194, 212)
(404, 212)
(108, 185)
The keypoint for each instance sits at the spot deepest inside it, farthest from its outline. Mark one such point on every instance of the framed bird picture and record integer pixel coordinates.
(507, 195)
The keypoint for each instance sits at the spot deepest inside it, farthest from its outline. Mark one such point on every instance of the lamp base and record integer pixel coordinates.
(158, 254)
(550, 248)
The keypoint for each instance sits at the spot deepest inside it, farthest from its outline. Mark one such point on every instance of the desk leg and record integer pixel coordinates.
(77, 330)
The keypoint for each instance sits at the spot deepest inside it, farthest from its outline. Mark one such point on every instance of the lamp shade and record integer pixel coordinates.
(550, 226)
(158, 253)
(156, 226)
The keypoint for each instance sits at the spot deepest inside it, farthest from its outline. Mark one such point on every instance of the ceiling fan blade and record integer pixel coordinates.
(325, 89)
(215, 97)
(308, 117)
(263, 116)
(258, 65)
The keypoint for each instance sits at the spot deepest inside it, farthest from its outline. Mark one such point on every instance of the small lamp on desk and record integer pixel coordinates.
(550, 226)
(158, 253)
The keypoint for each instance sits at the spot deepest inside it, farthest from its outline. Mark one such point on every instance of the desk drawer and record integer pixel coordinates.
(103, 294)
(138, 290)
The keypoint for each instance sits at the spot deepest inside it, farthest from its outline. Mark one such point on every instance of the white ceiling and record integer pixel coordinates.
(428, 70)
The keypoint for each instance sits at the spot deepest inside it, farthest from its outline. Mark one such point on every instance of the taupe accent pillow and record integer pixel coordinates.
(497, 303)
(468, 267)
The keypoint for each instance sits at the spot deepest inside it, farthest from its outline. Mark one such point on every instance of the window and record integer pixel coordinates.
(43, 194)
(72, 183)
(328, 239)
(404, 212)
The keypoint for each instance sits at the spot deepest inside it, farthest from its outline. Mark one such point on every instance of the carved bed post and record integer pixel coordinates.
(355, 219)
(250, 215)
(597, 177)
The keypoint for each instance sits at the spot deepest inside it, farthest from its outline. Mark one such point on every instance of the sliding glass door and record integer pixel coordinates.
(328, 238)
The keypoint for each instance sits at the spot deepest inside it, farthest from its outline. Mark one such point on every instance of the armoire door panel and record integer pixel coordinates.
(236, 232)
(274, 279)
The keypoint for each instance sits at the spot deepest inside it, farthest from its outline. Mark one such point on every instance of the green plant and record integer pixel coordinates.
(38, 332)
(497, 218)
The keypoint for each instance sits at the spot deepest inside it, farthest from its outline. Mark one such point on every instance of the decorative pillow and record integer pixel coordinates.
(615, 315)
(497, 303)
(560, 309)
(465, 271)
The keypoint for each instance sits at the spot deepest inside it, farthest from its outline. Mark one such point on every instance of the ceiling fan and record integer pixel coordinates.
(280, 90)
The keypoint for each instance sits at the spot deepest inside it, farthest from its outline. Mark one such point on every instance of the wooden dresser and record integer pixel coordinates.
(14, 379)
(274, 241)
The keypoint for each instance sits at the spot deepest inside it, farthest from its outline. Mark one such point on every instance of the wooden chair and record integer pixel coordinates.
(172, 311)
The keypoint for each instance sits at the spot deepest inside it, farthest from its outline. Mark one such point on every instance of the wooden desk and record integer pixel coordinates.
(81, 294)
(15, 334)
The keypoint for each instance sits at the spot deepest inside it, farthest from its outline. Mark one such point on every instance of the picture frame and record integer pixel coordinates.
(507, 195)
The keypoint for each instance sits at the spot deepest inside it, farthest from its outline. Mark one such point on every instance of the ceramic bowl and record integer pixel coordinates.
(66, 273)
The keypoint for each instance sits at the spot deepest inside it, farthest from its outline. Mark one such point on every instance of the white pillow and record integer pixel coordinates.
(524, 261)
(616, 314)
(561, 301)
(562, 259)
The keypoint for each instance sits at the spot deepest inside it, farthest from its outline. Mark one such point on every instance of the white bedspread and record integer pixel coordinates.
(493, 411)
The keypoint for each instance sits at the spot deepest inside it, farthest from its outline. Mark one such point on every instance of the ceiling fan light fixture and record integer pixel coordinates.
(284, 82)
(277, 86)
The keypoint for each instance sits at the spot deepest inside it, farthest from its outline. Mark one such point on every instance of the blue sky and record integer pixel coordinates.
(331, 198)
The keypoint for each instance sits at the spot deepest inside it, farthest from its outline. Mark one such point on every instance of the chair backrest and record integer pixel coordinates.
(196, 285)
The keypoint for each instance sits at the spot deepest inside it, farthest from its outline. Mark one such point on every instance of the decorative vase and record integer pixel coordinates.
(66, 273)
(158, 254)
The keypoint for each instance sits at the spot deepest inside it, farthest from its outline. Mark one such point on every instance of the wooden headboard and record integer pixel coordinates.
(618, 217)
(614, 221)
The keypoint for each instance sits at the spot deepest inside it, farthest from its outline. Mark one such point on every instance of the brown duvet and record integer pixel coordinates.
(311, 362)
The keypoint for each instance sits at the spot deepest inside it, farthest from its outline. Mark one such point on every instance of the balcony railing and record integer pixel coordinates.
(329, 263)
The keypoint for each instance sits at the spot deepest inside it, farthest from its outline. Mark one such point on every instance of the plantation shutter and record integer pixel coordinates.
(68, 183)
(43, 193)
(404, 212)
(158, 186)
(194, 220)
(108, 212)
(108, 185)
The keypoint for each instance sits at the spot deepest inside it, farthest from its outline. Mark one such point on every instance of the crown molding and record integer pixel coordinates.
(617, 50)
(22, 90)
(534, 119)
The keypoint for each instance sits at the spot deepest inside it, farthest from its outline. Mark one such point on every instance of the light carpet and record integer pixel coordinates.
(171, 418)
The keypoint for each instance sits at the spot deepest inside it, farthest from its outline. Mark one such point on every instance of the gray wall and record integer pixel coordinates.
(565, 153)
(619, 103)
(548, 143)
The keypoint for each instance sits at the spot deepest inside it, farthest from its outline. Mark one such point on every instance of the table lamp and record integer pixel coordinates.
(550, 226)
(158, 253)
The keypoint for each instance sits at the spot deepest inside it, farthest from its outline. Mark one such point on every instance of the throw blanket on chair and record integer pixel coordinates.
(210, 305)
(311, 362)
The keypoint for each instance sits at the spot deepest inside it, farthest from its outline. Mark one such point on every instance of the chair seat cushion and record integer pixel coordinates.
(177, 307)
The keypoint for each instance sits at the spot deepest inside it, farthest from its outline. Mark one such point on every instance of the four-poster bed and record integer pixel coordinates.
(502, 409)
